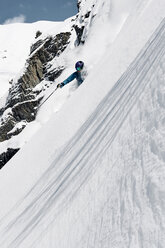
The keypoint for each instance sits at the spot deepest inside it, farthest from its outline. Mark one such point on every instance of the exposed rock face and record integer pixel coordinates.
(79, 31)
(83, 21)
(22, 99)
(78, 4)
(36, 67)
(6, 126)
(6, 156)
(25, 110)
(38, 33)
(54, 73)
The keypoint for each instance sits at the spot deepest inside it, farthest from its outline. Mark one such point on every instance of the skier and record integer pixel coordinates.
(79, 74)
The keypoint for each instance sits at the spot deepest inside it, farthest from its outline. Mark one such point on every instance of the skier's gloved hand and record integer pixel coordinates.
(60, 85)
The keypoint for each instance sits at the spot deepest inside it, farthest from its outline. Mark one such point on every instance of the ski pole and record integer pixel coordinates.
(47, 97)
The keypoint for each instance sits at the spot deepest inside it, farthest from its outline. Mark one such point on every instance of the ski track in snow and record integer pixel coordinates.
(120, 152)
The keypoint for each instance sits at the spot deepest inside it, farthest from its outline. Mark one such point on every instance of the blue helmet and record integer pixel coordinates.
(79, 65)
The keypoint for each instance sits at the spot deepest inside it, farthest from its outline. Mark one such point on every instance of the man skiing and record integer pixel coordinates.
(79, 74)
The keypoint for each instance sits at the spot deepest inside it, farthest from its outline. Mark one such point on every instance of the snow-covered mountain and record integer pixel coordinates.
(15, 43)
(90, 171)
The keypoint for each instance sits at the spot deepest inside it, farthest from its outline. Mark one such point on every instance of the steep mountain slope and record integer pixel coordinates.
(93, 174)
(50, 56)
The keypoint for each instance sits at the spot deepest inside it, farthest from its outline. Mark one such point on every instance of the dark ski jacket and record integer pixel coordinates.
(76, 75)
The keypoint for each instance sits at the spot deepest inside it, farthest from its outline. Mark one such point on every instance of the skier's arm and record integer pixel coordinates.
(69, 79)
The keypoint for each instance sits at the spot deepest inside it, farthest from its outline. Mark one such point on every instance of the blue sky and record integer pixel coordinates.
(35, 10)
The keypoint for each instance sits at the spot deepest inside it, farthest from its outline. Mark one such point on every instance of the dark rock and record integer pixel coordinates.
(6, 156)
(25, 110)
(51, 46)
(87, 14)
(78, 5)
(36, 45)
(17, 131)
(2, 111)
(11, 81)
(7, 126)
(21, 97)
(82, 23)
(79, 33)
(38, 33)
(53, 74)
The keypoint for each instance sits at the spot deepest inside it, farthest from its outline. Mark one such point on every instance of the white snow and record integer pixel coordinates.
(92, 171)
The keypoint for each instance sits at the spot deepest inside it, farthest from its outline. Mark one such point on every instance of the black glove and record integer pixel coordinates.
(60, 85)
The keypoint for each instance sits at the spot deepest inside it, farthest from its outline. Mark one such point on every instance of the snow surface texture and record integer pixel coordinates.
(98, 181)
(123, 196)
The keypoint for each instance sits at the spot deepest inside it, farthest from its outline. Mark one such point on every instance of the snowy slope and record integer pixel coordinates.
(101, 175)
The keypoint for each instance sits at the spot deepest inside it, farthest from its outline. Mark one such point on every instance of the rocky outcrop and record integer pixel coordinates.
(42, 52)
(51, 75)
(38, 33)
(78, 4)
(6, 126)
(25, 110)
(83, 21)
(79, 32)
(22, 99)
(6, 156)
